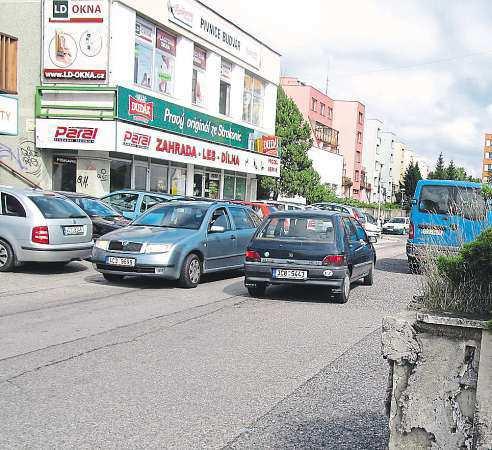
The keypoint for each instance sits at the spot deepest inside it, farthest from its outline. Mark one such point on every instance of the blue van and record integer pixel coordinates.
(445, 214)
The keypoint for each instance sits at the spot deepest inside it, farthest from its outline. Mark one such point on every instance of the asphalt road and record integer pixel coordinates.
(144, 364)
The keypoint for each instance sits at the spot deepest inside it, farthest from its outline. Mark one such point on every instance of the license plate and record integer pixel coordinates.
(74, 231)
(432, 231)
(290, 274)
(117, 261)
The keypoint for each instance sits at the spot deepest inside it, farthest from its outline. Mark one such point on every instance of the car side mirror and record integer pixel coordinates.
(216, 229)
(414, 201)
(373, 239)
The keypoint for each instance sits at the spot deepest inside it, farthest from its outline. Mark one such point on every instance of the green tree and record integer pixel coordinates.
(451, 171)
(439, 173)
(297, 175)
(410, 179)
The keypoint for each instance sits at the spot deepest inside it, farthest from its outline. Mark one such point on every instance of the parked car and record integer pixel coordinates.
(262, 209)
(371, 226)
(397, 225)
(445, 214)
(318, 248)
(39, 226)
(104, 217)
(345, 209)
(178, 240)
(284, 206)
(132, 203)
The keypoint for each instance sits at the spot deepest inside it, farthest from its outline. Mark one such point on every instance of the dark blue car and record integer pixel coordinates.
(318, 248)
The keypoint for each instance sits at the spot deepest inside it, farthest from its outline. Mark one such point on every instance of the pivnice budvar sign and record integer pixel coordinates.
(154, 112)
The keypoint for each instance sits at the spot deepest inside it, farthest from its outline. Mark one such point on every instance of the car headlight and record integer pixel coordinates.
(158, 248)
(102, 244)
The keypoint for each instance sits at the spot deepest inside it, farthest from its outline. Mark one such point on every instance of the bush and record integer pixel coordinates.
(463, 282)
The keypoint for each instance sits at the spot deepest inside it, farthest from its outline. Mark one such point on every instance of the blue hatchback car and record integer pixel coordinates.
(445, 214)
(178, 241)
(131, 203)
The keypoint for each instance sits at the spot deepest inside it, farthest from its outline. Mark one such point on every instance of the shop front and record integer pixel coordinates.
(155, 145)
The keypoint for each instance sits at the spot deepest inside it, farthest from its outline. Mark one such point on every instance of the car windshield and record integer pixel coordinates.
(95, 207)
(53, 207)
(453, 200)
(397, 220)
(174, 216)
(299, 228)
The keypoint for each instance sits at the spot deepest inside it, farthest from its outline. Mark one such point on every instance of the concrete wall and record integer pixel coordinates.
(22, 19)
(439, 390)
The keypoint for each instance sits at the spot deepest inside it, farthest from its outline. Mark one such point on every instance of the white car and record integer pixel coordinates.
(371, 226)
(397, 225)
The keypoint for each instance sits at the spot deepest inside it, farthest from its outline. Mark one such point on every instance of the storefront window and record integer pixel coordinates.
(177, 180)
(164, 59)
(253, 99)
(240, 188)
(64, 173)
(158, 178)
(229, 187)
(199, 74)
(120, 175)
(155, 52)
(212, 185)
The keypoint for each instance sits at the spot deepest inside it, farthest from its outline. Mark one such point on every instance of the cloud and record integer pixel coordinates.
(421, 67)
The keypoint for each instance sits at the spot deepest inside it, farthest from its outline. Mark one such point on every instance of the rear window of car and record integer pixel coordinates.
(397, 220)
(53, 207)
(299, 228)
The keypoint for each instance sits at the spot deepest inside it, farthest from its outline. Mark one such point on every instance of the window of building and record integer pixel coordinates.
(120, 175)
(488, 142)
(322, 109)
(158, 177)
(361, 118)
(356, 175)
(199, 76)
(8, 64)
(225, 88)
(155, 52)
(359, 137)
(355, 191)
(314, 104)
(177, 179)
(330, 113)
(357, 157)
(488, 155)
(253, 99)
(234, 187)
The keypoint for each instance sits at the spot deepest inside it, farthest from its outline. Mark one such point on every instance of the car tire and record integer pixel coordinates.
(191, 272)
(112, 277)
(343, 295)
(257, 291)
(7, 257)
(368, 280)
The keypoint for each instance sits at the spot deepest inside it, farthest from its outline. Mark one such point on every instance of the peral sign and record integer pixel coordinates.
(75, 41)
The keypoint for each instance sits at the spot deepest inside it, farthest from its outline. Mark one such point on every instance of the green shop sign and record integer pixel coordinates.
(154, 112)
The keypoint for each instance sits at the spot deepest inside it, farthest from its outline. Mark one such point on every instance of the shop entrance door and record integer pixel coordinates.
(212, 185)
(64, 174)
(198, 184)
(141, 175)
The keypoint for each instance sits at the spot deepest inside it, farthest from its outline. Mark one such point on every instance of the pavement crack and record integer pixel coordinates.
(126, 341)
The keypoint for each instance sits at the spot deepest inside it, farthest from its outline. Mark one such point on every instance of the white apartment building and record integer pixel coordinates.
(166, 96)
(372, 156)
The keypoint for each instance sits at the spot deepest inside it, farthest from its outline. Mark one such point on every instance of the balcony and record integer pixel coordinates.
(326, 137)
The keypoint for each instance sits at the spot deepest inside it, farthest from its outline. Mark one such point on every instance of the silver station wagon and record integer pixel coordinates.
(178, 241)
(39, 226)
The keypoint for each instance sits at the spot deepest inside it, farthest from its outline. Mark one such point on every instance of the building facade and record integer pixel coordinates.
(317, 109)
(164, 96)
(348, 119)
(371, 157)
(487, 159)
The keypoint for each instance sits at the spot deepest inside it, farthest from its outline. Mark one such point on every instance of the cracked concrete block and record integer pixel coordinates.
(399, 341)
(433, 383)
(483, 419)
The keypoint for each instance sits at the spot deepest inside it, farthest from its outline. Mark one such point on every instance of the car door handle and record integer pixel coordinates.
(233, 237)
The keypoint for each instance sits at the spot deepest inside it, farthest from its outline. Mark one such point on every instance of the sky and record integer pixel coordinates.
(423, 67)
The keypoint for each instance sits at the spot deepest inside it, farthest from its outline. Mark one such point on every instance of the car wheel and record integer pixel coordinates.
(343, 295)
(258, 290)
(191, 272)
(112, 277)
(369, 278)
(7, 259)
